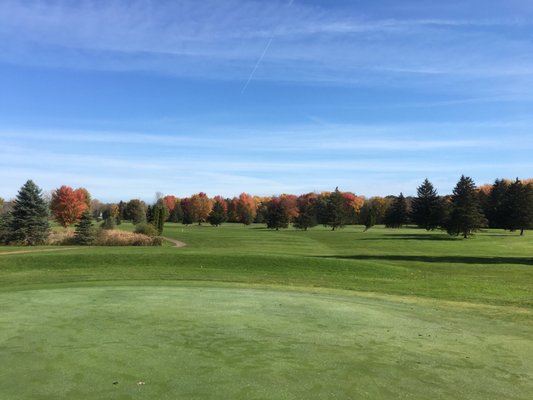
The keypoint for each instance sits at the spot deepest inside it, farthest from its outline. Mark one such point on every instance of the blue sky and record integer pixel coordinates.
(127, 98)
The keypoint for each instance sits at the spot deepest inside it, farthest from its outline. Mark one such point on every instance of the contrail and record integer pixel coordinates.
(262, 56)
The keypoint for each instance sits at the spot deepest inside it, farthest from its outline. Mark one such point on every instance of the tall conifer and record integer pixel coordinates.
(427, 210)
(27, 223)
(465, 216)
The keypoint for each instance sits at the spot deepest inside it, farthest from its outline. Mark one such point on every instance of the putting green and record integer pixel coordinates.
(217, 342)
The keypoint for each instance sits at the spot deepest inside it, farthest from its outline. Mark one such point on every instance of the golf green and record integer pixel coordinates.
(217, 341)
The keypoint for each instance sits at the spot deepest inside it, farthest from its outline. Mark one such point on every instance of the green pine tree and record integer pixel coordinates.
(398, 213)
(84, 234)
(465, 216)
(518, 206)
(27, 223)
(218, 214)
(495, 210)
(336, 213)
(427, 209)
(370, 219)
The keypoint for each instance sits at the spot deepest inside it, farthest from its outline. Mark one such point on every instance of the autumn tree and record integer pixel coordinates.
(111, 211)
(200, 207)
(261, 209)
(277, 215)
(290, 203)
(465, 216)
(188, 215)
(245, 209)
(87, 198)
(307, 212)
(27, 222)
(398, 213)
(353, 206)
(427, 209)
(218, 214)
(232, 209)
(67, 205)
(170, 203)
(518, 207)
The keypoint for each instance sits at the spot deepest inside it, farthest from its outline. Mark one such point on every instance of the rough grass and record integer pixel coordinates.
(247, 313)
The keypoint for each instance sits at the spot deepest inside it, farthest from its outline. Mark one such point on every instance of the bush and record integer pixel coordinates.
(61, 237)
(146, 229)
(123, 238)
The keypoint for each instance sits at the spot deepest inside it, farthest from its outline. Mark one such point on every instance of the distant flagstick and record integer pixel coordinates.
(261, 57)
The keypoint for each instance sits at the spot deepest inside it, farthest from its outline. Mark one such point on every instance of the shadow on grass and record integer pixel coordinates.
(410, 236)
(441, 259)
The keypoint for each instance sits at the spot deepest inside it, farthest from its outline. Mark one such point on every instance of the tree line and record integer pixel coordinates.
(504, 205)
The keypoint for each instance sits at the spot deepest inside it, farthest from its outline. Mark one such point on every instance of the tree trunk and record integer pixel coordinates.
(521, 232)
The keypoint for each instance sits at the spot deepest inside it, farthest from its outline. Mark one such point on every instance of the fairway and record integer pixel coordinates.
(183, 342)
(247, 313)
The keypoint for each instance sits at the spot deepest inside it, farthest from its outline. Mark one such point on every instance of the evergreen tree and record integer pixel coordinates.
(398, 213)
(465, 216)
(322, 209)
(277, 215)
(150, 214)
(427, 210)
(177, 213)
(495, 211)
(5, 220)
(28, 221)
(218, 214)
(307, 212)
(370, 219)
(518, 206)
(121, 211)
(159, 215)
(84, 234)
(109, 223)
(336, 213)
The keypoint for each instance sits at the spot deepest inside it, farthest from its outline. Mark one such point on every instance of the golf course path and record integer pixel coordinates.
(176, 243)
(36, 251)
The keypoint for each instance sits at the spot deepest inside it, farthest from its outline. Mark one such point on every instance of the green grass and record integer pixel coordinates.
(248, 313)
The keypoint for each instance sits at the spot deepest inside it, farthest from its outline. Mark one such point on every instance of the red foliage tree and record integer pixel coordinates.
(170, 202)
(222, 201)
(290, 203)
(67, 205)
(353, 206)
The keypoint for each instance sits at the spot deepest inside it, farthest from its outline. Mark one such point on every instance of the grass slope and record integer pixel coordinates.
(247, 313)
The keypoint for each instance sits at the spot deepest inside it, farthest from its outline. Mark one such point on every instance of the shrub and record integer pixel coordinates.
(146, 229)
(123, 238)
(63, 237)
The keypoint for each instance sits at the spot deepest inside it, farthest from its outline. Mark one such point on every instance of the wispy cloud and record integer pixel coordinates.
(225, 40)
